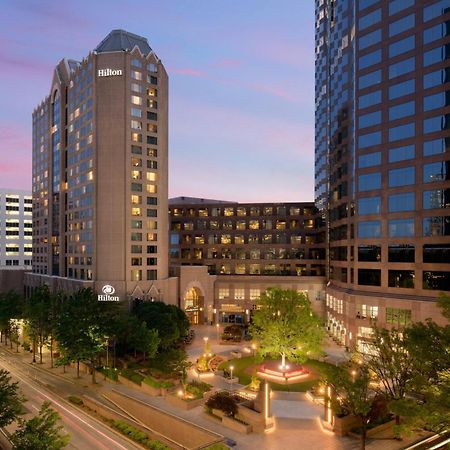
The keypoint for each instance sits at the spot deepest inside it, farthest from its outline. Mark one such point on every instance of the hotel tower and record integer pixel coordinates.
(382, 160)
(100, 174)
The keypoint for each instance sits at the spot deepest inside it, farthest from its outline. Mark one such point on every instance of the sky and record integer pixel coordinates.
(241, 95)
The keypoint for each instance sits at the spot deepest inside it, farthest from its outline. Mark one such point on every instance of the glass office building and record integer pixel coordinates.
(383, 160)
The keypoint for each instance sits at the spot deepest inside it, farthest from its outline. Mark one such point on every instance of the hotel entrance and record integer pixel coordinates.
(194, 306)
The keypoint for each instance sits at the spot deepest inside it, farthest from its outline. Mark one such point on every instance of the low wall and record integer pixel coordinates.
(342, 425)
(109, 413)
(254, 418)
(183, 432)
(175, 400)
(236, 426)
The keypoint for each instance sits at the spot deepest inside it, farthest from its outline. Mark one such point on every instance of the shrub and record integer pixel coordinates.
(202, 364)
(223, 401)
(197, 388)
(131, 375)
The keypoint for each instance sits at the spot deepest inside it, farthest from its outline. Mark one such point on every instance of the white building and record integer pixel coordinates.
(15, 229)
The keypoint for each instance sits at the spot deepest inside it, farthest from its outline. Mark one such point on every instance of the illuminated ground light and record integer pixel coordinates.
(289, 374)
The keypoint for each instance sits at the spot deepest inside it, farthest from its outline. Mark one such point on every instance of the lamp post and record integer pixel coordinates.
(254, 349)
(353, 375)
(231, 377)
(217, 331)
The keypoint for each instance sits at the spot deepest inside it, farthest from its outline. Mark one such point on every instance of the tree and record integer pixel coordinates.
(10, 399)
(144, 340)
(444, 304)
(11, 305)
(352, 394)
(82, 326)
(285, 325)
(169, 320)
(37, 311)
(392, 366)
(42, 432)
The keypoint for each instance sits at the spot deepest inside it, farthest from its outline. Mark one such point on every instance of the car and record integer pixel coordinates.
(230, 442)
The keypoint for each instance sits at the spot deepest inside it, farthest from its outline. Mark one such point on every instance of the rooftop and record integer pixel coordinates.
(121, 40)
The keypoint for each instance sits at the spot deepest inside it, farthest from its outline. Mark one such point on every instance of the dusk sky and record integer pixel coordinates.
(241, 76)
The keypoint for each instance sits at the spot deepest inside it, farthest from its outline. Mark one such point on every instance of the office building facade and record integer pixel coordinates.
(383, 160)
(235, 251)
(15, 229)
(100, 173)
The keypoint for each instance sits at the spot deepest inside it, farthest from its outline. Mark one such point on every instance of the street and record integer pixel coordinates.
(86, 433)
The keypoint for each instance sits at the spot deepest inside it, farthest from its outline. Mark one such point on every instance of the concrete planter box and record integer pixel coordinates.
(236, 426)
(186, 405)
(218, 413)
(384, 426)
(233, 380)
(101, 376)
(342, 425)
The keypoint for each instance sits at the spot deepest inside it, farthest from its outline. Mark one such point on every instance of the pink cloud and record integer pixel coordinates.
(187, 71)
(228, 62)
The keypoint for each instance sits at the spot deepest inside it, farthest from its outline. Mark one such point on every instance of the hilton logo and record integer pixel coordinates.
(109, 72)
(107, 295)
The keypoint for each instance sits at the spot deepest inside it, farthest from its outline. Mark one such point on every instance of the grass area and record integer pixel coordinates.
(157, 383)
(242, 364)
(132, 375)
(109, 372)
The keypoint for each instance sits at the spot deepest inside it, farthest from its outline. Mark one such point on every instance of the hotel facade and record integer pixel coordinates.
(227, 253)
(100, 174)
(382, 161)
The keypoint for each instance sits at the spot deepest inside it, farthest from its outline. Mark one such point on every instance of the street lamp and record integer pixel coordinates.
(217, 330)
(231, 377)
(254, 349)
(353, 375)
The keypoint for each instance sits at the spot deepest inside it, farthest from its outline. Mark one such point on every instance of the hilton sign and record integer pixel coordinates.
(107, 295)
(109, 72)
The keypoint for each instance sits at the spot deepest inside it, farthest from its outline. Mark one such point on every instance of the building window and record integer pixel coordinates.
(369, 277)
(239, 269)
(369, 160)
(368, 311)
(436, 198)
(398, 317)
(369, 140)
(401, 278)
(369, 229)
(402, 67)
(369, 205)
(436, 253)
(370, 79)
(136, 275)
(439, 281)
(402, 202)
(436, 226)
(401, 228)
(401, 25)
(402, 153)
(152, 275)
(402, 110)
(402, 177)
(436, 146)
(369, 119)
(437, 171)
(402, 131)
(370, 181)
(369, 39)
(369, 19)
(369, 253)
(224, 293)
(401, 89)
(401, 253)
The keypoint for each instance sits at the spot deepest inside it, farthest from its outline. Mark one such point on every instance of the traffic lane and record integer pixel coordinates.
(85, 432)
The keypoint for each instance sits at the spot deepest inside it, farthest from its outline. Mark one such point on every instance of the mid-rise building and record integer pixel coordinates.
(100, 173)
(383, 160)
(15, 229)
(245, 248)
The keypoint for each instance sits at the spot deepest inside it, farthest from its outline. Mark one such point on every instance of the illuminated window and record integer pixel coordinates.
(135, 211)
(136, 100)
(240, 211)
(239, 294)
(136, 174)
(136, 125)
(151, 188)
(136, 75)
(228, 211)
(136, 137)
(255, 294)
(239, 239)
(254, 269)
(151, 176)
(253, 224)
(225, 239)
(136, 199)
(136, 275)
(224, 293)
(239, 269)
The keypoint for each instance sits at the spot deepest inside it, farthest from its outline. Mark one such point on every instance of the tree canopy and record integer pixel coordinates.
(10, 399)
(42, 432)
(170, 321)
(285, 325)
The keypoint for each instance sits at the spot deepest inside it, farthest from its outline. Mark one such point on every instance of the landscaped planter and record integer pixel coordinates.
(343, 425)
(375, 430)
(151, 390)
(233, 424)
(102, 376)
